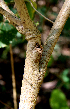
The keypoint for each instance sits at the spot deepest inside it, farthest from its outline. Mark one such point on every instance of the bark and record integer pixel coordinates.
(30, 85)
(34, 73)
(54, 35)
(11, 17)
(36, 60)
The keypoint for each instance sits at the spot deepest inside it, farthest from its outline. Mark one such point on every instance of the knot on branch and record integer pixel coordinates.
(37, 53)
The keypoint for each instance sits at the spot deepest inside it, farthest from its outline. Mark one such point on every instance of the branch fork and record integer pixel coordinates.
(36, 57)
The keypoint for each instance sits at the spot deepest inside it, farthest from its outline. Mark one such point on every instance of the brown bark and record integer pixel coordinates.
(35, 64)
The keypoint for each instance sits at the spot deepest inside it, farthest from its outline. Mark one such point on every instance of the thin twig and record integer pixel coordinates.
(13, 79)
(40, 13)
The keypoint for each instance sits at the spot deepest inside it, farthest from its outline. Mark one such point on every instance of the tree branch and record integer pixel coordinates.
(54, 35)
(25, 25)
(24, 15)
(4, 6)
(11, 17)
(13, 20)
(30, 28)
(35, 68)
(33, 76)
(29, 89)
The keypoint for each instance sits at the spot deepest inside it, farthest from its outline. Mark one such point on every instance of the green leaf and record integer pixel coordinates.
(67, 25)
(58, 100)
(1, 18)
(7, 33)
(8, 1)
(37, 23)
(31, 11)
(13, 10)
(46, 74)
(2, 45)
(64, 76)
(50, 61)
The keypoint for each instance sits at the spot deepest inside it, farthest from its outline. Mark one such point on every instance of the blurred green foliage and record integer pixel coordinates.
(67, 25)
(66, 30)
(7, 33)
(31, 10)
(42, 10)
(58, 100)
(50, 61)
(65, 78)
(8, 1)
